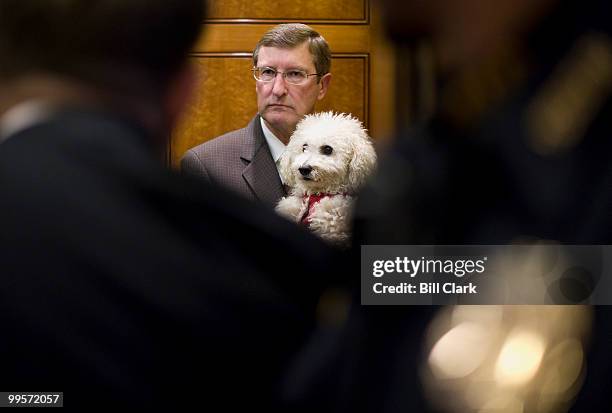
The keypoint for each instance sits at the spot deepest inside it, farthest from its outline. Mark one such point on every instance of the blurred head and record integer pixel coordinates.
(462, 31)
(283, 48)
(135, 49)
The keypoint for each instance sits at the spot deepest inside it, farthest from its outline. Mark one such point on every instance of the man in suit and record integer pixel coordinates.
(121, 282)
(291, 66)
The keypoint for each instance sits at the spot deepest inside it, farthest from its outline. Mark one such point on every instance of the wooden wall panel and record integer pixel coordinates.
(226, 37)
(226, 99)
(349, 87)
(300, 10)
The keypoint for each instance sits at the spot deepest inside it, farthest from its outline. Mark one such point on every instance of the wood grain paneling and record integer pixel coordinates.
(348, 91)
(227, 38)
(306, 11)
(225, 99)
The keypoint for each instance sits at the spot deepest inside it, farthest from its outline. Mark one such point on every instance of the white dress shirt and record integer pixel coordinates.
(276, 146)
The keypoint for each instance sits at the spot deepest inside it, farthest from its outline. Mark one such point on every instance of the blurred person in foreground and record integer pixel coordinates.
(121, 282)
(518, 147)
(291, 67)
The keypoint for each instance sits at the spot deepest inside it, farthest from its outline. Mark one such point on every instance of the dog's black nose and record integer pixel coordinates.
(305, 170)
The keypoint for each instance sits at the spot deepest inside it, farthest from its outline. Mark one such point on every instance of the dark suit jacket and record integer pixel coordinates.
(121, 282)
(239, 160)
(501, 191)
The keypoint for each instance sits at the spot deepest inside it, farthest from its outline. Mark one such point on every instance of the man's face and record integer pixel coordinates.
(282, 105)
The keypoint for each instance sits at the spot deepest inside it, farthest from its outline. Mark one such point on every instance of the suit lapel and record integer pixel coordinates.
(260, 173)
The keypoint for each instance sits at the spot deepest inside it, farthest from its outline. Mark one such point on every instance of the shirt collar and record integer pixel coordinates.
(276, 146)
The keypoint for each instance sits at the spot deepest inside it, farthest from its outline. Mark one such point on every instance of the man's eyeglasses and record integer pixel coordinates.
(293, 76)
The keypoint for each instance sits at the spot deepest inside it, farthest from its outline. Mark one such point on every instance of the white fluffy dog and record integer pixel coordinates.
(327, 160)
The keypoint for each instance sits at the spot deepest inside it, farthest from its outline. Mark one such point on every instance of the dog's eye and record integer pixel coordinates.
(326, 150)
(304, 147)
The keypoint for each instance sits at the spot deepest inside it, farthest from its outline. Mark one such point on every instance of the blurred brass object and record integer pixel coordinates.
(442, 358)
(506, 358)
(519, 358)
(561, 112)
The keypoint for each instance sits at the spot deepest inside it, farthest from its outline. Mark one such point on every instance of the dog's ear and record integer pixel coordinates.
(363, 161)
(285, 171)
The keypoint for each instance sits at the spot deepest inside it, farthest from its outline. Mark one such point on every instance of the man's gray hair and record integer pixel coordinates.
(291, 35)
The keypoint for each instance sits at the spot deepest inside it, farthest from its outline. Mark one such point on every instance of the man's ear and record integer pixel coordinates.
(179, 93)
(324, 82)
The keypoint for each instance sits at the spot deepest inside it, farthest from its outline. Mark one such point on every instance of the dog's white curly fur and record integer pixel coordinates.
(329, 155)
